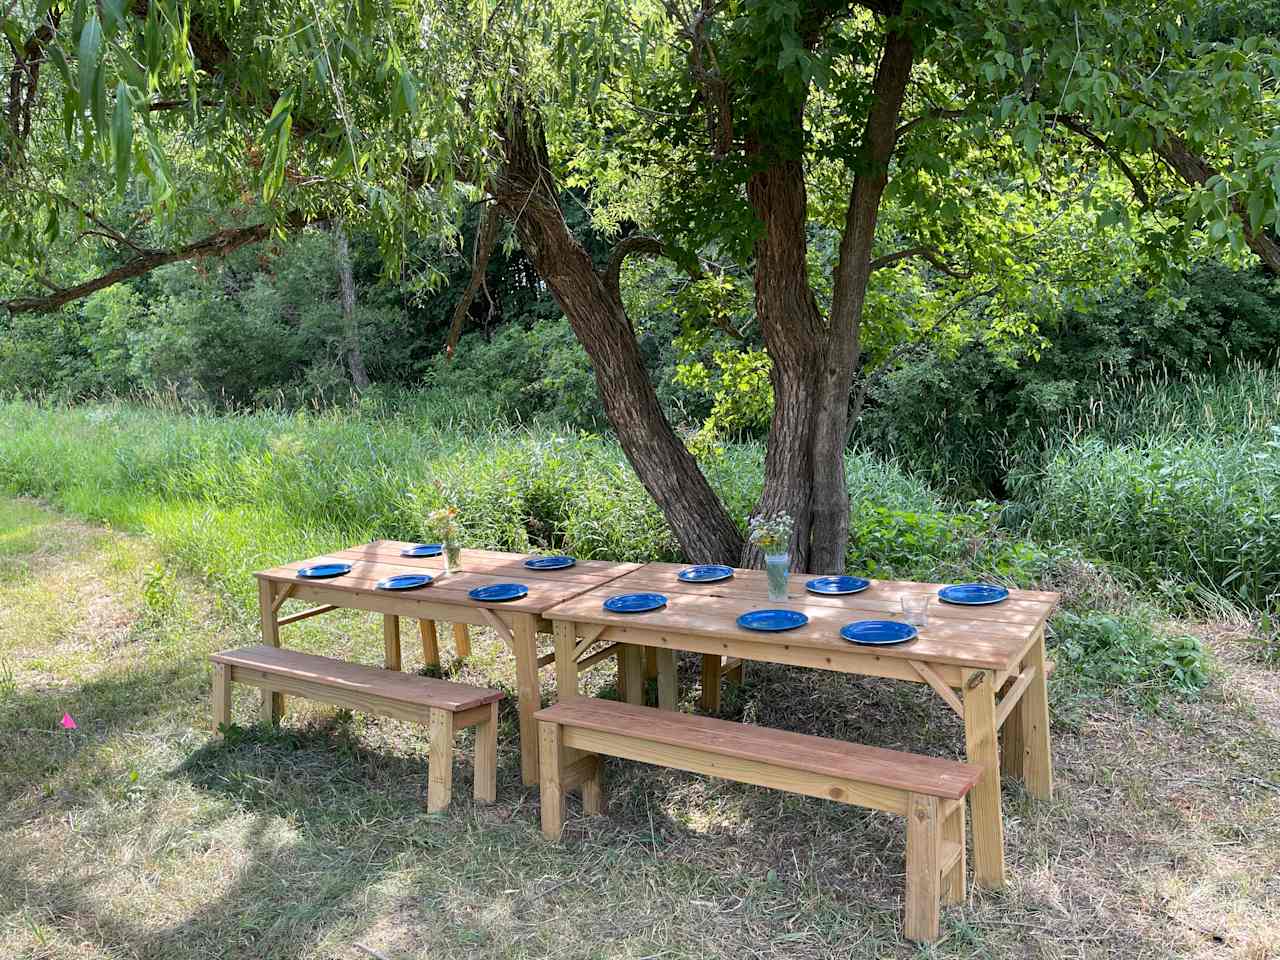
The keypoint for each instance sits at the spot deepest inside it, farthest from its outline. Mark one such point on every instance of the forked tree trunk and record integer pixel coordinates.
(525, 191)
(814, 364)
(347, 294)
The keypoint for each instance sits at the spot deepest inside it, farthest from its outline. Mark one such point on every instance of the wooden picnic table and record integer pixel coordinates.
(987, 663)
(517, 622)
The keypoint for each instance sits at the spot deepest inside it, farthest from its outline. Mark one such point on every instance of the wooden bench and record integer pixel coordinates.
(445, 707)
(930, 792)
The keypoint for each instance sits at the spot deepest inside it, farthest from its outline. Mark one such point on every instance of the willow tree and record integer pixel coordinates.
(754, 129)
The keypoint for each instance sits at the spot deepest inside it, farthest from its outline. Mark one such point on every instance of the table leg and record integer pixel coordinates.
(1013, 741)
(1033, 711)
(391, 641)
(272, 700)
(984, 800)
(634, 679)
(668, 690)
(524, 639)
(462, 640)
(430, 643)
(566, 635)
(711, 665)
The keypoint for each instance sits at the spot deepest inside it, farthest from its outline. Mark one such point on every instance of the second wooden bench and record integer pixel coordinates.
(445, 707)
(930, 792)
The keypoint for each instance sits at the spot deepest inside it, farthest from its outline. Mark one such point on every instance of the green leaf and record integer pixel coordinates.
(277, 133)
(89, 52)
(122, 135)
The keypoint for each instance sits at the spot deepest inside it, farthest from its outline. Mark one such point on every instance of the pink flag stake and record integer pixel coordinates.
(67, 722)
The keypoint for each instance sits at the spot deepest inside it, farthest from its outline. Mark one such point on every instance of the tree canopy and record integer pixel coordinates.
(869, 174)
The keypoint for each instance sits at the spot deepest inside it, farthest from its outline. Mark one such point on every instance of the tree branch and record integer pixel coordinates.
(1139, 188)
(636, 243)
(217, 244)
(1196, 170)
(936, 114)
(482, 250)
(924, 253)
(865, 382)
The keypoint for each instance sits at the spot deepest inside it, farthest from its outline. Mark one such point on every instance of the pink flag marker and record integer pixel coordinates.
(67, 722)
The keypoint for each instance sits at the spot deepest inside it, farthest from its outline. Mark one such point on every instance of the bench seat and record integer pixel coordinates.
(929, 791)
(444, 706)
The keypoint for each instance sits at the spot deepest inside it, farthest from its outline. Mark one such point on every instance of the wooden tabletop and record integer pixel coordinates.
(370, 562)
(993, 637)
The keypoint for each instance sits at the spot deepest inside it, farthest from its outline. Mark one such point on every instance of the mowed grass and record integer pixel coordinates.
(136, 836)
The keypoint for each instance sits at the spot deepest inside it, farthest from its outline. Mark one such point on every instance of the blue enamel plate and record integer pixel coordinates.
(323, 571)
(972, 594)
(635, 602)
(771, 621)
(837, 586)
(423, 550)
(498, 592)
(403, 581)
(549, 563)
(878, 633)
(705, 573)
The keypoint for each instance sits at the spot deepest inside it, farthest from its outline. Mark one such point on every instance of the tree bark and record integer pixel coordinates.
(525, 191)
(350, 326)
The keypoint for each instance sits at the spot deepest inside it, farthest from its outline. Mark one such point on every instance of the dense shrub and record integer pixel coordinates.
(962, 420)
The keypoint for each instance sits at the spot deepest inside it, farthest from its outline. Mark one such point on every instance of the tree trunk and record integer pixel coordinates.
(347, 294)
(840, 359)
(525, 191)
(792, 326)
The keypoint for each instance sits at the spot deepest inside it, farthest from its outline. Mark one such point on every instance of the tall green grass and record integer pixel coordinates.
(1177, 481)
(230, 493)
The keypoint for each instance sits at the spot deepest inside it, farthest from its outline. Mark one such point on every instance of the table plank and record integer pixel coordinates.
(965, 637)
(372, 562)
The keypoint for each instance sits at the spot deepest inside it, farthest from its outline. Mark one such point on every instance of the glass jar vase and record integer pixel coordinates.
(778, 568)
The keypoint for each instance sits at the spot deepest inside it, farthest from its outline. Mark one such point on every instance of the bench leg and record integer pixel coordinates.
(221, 699)
(440, 758)
(551, 789)
(984, 799)
(486, 761)
(924, 844)
(430, 643)
(668, 691)
(391, 641)
(953, 880)
(462, 640)
(711, 663)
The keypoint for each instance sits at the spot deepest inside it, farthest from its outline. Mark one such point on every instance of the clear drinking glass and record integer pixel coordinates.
(778, 568)
(452, 556)
(915, 609)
